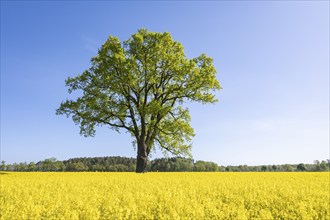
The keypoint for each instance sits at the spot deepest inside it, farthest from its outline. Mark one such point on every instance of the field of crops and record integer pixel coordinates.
(164, 196)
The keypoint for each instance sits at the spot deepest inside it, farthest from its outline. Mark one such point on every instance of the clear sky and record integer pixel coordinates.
(272, 60)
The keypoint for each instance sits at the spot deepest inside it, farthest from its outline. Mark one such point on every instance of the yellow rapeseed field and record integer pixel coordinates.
(164, 196)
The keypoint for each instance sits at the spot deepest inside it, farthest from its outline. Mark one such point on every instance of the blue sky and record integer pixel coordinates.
(272, 60)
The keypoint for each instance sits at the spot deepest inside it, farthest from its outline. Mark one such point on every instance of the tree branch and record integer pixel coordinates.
(166, 148)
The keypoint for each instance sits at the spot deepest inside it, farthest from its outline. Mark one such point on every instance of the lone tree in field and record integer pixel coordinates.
(139, 85)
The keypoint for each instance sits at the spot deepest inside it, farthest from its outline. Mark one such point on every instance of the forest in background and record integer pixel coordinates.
(174, 164)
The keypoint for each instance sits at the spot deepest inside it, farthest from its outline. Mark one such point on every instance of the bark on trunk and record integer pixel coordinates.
(142, 158)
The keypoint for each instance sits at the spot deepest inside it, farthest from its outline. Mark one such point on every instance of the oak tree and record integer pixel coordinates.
(139, 85)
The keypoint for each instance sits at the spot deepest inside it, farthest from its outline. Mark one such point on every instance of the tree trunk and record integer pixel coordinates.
(142, 158)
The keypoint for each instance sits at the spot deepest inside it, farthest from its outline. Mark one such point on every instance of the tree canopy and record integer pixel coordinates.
(139, 85)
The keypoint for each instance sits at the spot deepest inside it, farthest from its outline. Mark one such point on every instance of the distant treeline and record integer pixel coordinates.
(175, 164)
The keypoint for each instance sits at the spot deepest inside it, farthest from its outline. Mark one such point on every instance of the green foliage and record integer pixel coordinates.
(173, 164)
(100, 164)
(301, 167)
(263, 168)
(202, 166)
(51, 164)
(3, 165)
(287, 168)
(274, 167)
(139, 85)
(78, 166)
